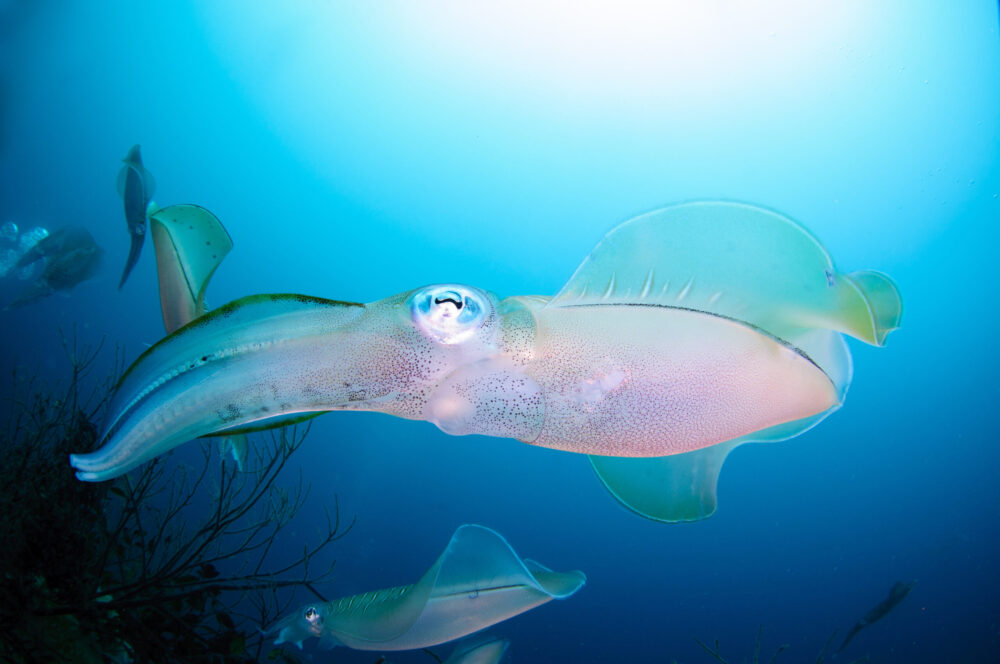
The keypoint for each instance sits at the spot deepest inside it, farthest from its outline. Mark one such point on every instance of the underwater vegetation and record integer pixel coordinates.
(687, 331)
(139, 569)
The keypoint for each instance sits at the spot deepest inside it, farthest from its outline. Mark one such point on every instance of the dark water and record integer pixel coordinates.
(356, 150)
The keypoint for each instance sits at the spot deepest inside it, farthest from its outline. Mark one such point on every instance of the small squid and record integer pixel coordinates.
(476, 582)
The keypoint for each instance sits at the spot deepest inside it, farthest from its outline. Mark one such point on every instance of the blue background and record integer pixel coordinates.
(355, 150)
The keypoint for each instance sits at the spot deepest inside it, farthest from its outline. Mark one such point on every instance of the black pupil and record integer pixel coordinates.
(448, 298)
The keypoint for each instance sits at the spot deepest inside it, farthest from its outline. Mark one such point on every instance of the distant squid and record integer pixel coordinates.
(135, 186)
(896, 595)
(687, 331)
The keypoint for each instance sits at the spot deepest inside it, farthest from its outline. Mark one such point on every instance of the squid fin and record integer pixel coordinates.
(671, 489)
(737, 261)
(681, 487)
(190, 243)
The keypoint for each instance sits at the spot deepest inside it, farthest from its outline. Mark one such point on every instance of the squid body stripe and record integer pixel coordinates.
(136, 401)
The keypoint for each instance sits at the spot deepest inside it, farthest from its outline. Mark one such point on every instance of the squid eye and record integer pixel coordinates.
(312, 615)
(449, 314)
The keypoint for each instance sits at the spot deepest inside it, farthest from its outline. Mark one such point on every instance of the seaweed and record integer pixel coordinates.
(166, 564)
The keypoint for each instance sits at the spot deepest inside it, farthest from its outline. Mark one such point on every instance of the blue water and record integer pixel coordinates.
(356, 150)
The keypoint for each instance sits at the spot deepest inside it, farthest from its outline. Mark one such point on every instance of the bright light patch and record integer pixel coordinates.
(597, 52)
(631, 49)
(435, 114)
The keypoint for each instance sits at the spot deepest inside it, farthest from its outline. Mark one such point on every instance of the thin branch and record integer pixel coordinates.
(159, 576)
(782, 648)
(714, 653)
(826, 646)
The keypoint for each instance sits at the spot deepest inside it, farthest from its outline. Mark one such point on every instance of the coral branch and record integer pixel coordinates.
(166, 564)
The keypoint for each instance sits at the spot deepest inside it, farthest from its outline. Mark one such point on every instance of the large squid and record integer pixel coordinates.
(687, 331)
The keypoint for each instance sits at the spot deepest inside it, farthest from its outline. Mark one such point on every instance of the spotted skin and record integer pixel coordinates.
(612, 380)
(686, 327)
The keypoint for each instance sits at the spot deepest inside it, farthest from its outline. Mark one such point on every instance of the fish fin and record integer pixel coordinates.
(737, 261)
(190, 243)
(681, 487)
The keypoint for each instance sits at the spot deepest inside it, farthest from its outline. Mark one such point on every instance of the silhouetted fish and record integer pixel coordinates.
(135, 186)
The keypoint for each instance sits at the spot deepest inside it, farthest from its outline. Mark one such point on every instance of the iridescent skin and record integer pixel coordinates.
(590, 379)
(627, 381)
(665, 341)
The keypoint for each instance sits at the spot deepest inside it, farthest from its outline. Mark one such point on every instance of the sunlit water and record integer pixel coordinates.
(356, 150)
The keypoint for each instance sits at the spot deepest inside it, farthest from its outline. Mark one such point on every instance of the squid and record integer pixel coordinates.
(476, 582)
(136, 186)
(687, 331)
